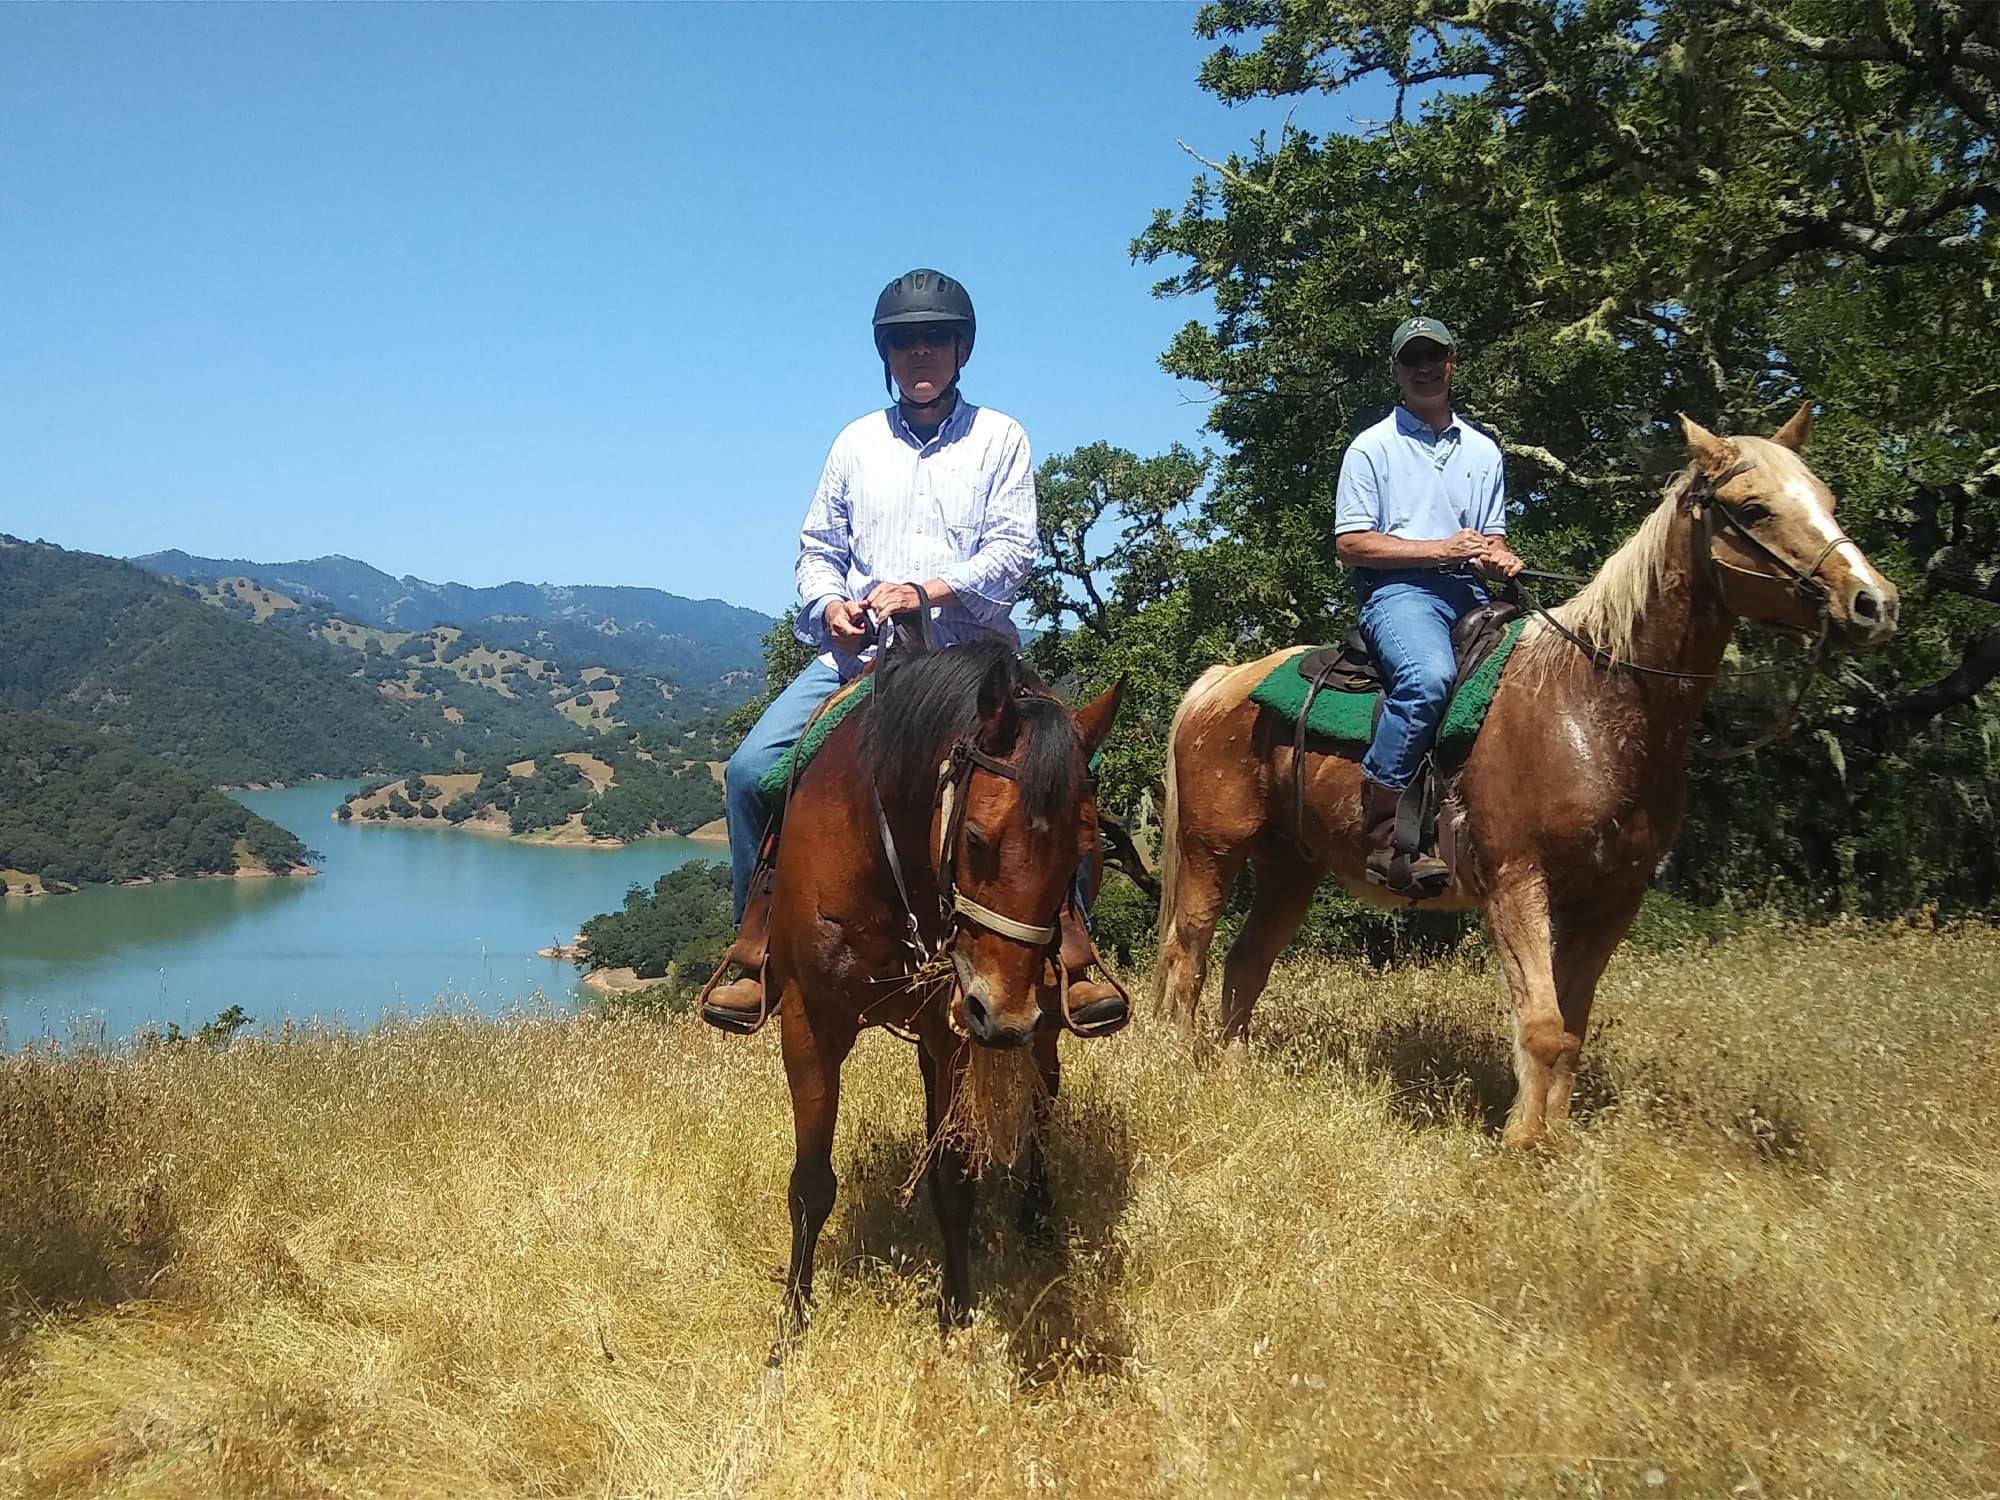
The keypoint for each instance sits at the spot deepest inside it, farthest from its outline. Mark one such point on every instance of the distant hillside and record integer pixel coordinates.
(623, 792)
(101, 641)
(697, 645)
(77, 806)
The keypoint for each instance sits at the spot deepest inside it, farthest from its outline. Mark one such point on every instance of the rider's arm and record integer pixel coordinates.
(824, 551)
(986, 583)
(1376, 549)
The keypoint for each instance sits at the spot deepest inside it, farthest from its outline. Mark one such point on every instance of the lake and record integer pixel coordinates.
(398, 920)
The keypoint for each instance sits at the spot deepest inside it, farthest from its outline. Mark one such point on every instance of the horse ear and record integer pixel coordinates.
(1093, 720)
(1713, 453)
(1794, 433)
(999, 719)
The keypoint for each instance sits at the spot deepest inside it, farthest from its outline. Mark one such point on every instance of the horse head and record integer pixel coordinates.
(1777, 554)
(1019, 821)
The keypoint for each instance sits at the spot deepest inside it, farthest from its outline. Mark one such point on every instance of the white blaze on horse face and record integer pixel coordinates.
(1814, 502)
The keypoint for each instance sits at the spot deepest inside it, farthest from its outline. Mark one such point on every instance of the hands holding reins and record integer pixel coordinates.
(848, 622)
(1490, 553)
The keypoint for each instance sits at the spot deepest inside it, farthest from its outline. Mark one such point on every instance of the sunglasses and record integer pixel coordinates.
(910, 335)
(1416, 355)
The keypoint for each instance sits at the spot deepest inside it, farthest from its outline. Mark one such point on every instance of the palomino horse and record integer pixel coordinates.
(944, 818)
(1573, 790)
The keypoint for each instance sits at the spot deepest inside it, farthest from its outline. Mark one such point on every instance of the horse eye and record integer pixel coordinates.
(1754, 513)
(977, 842)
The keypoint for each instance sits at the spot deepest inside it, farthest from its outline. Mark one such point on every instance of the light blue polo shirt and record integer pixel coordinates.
(1403, 479)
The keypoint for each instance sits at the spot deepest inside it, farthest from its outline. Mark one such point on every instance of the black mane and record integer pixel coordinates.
(923, 703)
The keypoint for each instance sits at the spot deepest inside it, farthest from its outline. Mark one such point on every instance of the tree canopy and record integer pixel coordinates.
(1626, 209)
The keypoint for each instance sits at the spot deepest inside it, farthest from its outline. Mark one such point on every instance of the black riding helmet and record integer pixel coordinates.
(923, 296)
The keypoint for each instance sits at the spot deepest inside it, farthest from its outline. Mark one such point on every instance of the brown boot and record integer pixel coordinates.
(738, 1004)
(1406, 872)
(1095, 1007)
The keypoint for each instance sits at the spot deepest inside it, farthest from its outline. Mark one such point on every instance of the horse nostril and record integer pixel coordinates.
(1866, 605)
(975, 1014)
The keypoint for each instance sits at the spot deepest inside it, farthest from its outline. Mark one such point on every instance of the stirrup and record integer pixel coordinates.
(728, 1018)
(1413, 875)
(1099, 1017)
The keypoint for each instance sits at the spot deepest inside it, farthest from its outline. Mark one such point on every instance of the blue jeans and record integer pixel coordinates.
(777, 729)
(1408, 619)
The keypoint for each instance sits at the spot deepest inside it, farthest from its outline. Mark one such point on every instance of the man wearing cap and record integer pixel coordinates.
(1420, 508)
(930, 490)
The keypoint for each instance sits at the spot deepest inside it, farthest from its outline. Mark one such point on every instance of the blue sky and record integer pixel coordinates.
(567, 294)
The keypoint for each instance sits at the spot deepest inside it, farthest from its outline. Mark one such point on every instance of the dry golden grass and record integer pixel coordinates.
(452, 1259)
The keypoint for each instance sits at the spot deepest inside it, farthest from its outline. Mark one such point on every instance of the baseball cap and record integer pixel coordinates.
(1420, 328)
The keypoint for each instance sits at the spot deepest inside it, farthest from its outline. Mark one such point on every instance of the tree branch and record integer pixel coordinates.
(1980, 665)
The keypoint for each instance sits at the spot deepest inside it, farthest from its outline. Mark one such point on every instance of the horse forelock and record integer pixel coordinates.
(925, 704)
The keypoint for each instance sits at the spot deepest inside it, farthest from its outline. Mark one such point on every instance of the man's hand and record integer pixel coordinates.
(1499, 558)
(888, 599)
(847, 625)
(1466, 546)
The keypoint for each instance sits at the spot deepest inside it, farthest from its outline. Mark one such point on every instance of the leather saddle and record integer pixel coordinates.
(1351, 667)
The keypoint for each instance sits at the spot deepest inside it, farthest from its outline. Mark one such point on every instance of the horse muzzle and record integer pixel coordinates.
(977, 1011)
(1866, 614)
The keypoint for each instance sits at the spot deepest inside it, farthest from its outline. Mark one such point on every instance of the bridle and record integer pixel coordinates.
(948, 806)
(1805, 581)
(1709, 509)
(949, 803)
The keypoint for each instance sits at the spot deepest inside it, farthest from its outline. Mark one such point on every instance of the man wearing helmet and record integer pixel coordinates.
(930, 489)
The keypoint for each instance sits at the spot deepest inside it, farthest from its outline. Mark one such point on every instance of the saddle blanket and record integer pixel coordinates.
(845, 700)
(1348, 719)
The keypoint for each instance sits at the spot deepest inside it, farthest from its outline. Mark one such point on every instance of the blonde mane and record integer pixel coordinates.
(1606, 610)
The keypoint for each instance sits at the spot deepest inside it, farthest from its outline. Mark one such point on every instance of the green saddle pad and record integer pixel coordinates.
(772, 783)
(1349, 718)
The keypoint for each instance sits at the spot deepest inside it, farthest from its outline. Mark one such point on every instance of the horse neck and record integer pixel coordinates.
(1680, 626)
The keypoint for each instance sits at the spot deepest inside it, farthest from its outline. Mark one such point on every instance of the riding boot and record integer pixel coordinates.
(1096, 1007)
(738, 1005)
(1405, 871)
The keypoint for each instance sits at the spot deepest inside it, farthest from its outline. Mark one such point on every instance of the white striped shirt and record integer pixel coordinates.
(893, 508)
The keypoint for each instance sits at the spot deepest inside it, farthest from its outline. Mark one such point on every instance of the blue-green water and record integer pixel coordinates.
(398, 919)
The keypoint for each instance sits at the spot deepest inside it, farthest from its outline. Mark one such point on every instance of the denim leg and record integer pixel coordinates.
(1409, 625)
(777, 729)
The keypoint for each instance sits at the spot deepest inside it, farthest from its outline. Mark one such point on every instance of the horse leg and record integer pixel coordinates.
(1201, 885)
(1584, 942)
(1517, 914)
(952, 1184)
(1284, 894)
(814, 1050)
(1036, 1197)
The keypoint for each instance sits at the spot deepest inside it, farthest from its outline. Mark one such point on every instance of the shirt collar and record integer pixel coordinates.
(953, 426)
(1412, 425)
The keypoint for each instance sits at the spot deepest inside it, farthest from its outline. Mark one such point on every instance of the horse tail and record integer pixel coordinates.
(1170, 815)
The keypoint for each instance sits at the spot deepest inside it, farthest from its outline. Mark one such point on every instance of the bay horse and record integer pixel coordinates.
(928, 849)
(1574, 789)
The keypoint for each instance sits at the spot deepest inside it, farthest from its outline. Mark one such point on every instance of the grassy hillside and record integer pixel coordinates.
(704, 651)
(103, 642)
(541, 1258)
(77, 806)
(597, 677)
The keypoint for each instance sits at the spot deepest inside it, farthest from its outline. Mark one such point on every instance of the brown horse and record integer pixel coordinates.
(1573, 790)
(929, 848)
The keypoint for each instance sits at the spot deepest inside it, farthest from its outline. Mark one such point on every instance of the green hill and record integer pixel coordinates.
(697, 653)
(77, 806)
(101, 641)
(613, 792)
